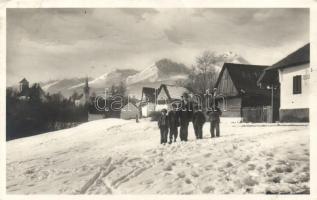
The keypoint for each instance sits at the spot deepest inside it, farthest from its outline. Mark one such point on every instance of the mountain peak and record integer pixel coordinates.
(162, 70)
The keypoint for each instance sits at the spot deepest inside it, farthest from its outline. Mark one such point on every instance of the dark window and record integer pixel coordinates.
(297, 84)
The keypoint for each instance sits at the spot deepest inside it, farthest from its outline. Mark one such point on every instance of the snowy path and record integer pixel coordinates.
(121, 157)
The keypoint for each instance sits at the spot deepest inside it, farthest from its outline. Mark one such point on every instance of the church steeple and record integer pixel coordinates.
(86, 91)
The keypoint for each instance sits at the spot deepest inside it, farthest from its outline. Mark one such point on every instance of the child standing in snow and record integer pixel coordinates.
(173, 119)
(163, 125)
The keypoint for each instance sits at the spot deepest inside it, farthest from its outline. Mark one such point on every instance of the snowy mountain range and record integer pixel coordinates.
(108, 79)
(163, 71)
(62, 86)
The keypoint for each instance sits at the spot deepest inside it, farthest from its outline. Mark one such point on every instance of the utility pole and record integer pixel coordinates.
(206, 97)
(214, 93)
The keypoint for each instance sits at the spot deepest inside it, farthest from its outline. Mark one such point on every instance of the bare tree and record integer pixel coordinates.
(203, 75)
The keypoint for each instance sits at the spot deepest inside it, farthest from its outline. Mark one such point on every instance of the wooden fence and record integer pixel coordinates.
(257, 114)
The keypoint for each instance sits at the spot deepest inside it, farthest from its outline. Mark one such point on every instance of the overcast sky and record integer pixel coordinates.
(45, 44)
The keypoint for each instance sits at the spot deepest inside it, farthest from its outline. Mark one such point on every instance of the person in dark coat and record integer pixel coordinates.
(173, 119)
(163, 124)
(198, 122)
(214, 117)
(185, 114)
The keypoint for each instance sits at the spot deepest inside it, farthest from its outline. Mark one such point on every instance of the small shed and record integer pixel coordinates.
(130, 111)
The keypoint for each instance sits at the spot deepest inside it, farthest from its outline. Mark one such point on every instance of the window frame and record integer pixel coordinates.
(297, 84)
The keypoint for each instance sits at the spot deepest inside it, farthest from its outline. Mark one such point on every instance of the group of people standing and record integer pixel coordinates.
(181, 116)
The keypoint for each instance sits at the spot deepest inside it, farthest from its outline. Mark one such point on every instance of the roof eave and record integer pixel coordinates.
(288, 66)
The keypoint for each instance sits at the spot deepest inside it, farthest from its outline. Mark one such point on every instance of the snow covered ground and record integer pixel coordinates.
(114, 156)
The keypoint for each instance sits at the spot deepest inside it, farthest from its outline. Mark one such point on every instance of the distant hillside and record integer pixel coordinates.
(68, 86)
(61, 85)
(163, 71)
(108, 79)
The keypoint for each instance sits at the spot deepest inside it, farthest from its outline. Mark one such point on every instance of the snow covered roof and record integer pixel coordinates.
(172, 91)
(131, 105)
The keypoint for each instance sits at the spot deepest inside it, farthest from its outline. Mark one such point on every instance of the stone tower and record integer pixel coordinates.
(24, 85)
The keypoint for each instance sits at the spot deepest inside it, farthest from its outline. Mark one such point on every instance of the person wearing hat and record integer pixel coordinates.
(163, 125)
(198, 122)
(185, 114)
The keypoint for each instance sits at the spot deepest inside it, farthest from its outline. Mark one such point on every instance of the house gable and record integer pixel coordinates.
(129, 111)
(130, 107)
(163, 94)
(171, 92)
(225, 85)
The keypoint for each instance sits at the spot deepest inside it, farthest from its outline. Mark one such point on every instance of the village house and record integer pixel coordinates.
(156, 99)
(148, 101)
(130, 111)
(239, 96)
(291, 75)
(167, 94)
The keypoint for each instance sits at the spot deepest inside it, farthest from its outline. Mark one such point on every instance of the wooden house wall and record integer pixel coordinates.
(226, 86)
(233, 108)
(255, 101)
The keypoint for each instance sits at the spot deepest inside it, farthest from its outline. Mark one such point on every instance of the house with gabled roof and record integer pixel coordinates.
(156, 99)
(148, 101)
(168, 94)
(238, 94)
(130, 111)
(291, 74)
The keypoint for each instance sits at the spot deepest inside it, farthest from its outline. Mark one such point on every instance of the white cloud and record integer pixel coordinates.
(48, 43)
